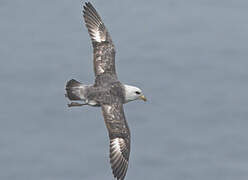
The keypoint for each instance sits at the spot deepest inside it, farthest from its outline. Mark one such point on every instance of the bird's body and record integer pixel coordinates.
(90, 94)
(107, 92)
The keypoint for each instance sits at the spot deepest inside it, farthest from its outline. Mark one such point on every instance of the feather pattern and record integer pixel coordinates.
(107, 92)
(119, 135)
(114, 95)
(104, 50)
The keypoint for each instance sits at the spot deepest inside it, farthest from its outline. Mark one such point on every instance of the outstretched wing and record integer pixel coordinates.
(104, 51)
(119, 137)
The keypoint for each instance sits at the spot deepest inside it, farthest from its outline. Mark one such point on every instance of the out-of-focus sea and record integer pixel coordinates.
(189, 57)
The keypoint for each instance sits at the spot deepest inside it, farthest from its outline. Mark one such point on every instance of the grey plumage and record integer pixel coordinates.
(119, 135)
(106, 92)
(73, 90)
(104, 50)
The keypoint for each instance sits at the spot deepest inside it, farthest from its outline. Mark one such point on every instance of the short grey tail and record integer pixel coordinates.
(74, 90)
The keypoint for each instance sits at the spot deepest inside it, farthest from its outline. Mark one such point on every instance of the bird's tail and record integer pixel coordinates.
(75, 90)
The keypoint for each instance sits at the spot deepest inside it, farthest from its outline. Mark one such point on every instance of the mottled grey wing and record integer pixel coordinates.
(104, 51)
(119, 138)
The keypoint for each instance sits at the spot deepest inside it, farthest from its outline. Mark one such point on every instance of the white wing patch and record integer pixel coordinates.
(115, 144)
(96, 35)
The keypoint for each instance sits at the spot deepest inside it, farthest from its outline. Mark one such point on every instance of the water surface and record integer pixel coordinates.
(189, 57)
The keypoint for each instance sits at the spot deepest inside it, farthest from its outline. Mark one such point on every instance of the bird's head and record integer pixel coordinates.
(133, 93)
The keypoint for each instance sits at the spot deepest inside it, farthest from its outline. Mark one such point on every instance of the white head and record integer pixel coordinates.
(133, 93)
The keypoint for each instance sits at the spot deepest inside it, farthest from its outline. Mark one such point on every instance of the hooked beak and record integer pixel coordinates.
(143, 98)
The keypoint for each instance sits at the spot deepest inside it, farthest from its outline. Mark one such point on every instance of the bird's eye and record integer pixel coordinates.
(137, 92)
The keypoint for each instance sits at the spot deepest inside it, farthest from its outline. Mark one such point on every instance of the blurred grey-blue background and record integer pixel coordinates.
(189, 57)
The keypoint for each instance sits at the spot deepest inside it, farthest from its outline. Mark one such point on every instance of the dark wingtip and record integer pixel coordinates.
(94, 23)
(87, 5)
(119, 157)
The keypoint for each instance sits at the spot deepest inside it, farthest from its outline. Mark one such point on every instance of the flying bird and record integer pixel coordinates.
(107, 92)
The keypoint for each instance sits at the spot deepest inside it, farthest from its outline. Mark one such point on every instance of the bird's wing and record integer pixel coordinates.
(119, 136)
(104, 50)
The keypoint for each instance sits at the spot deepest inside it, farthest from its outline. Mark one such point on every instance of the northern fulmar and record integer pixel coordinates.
(107, 92)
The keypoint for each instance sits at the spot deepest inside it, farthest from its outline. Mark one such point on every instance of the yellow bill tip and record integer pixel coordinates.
(143, 98)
